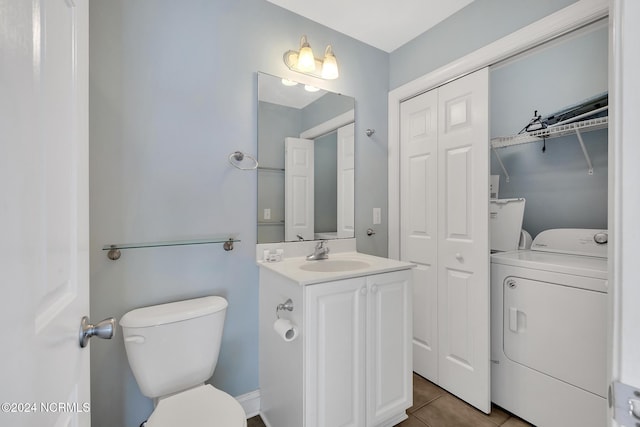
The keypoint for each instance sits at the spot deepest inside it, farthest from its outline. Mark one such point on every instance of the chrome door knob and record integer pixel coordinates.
(104, 329)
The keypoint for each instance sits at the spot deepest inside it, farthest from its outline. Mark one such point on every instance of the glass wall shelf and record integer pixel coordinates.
(114, 250)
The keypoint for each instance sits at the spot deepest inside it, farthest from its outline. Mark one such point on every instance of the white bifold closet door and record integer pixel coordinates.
(444, 230)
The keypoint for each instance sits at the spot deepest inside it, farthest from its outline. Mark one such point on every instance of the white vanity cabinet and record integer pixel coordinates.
(351, 363)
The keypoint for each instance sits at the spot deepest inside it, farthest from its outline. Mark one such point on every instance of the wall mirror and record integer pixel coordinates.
(306, 162)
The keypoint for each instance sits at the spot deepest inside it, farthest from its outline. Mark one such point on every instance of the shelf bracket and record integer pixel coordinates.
(506, 174)
(584, 151)
(114, 253)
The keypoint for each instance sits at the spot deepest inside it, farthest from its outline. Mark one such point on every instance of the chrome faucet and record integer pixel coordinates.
(320, 252)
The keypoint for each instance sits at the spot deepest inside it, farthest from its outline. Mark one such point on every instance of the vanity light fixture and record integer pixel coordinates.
(303, 61)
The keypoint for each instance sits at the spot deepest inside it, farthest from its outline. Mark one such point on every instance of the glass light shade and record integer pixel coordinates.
(306, 60)
(330, 68)
(329, 65)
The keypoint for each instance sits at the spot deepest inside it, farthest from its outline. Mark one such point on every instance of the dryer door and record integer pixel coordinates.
(557, 330)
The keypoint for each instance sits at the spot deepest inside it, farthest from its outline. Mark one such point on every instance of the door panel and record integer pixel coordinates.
(458, 165)
(299, 184)
(419, 233)
(459, 316)
(425, 321)
(419, 179)
(463, 241)
(457, 114)
(419, 216)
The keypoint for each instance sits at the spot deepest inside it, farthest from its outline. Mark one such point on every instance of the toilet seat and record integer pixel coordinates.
(203, 406)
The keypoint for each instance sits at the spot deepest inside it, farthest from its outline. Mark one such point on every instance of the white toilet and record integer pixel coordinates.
(172, 350)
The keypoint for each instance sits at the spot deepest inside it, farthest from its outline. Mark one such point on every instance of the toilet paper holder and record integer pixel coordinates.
(287, 305)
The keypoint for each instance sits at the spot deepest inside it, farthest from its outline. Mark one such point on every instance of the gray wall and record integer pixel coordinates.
(325, 108)
(558, 190)
(172, 92)
(275, 123)
(476, 25)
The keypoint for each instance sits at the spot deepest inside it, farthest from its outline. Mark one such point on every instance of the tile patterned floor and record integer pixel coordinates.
(435, 407)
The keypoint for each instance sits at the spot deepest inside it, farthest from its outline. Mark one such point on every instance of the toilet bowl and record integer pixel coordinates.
(172, 350)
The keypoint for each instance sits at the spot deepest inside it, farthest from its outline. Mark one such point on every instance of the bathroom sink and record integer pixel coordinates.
(333, 265)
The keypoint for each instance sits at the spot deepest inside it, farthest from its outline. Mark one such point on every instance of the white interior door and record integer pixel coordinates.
(419, 223)
(463, 238)
(298, 189)
(346, 176)
(44, 176)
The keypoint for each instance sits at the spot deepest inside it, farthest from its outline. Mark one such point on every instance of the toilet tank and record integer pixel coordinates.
(175, 346)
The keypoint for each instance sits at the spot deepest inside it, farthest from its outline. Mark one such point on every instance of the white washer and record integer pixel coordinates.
(548, 329)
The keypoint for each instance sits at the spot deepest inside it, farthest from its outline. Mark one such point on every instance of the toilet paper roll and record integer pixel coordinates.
(285, 329)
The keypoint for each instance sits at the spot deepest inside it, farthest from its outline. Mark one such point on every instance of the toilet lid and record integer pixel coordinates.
(203, 406)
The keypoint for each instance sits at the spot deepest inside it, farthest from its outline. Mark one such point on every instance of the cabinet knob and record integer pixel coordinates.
(459, 257)
(374, 289)
(363, 291)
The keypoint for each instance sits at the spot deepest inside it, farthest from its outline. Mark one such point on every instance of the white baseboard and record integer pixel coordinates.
(250, 403)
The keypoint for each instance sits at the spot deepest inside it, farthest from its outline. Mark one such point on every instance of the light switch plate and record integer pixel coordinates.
(267, 214)
(377, 216)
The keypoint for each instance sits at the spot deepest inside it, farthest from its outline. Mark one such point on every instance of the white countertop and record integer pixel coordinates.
(291, 267)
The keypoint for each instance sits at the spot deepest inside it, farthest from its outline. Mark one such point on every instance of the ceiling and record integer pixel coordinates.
(384, 24)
